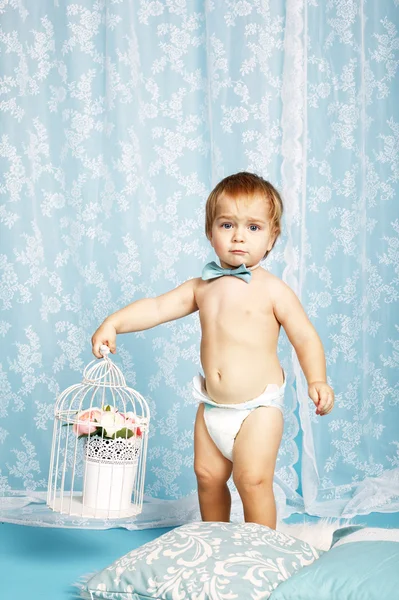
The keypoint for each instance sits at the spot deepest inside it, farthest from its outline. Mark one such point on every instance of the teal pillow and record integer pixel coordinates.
(204, 560)
(361, 564)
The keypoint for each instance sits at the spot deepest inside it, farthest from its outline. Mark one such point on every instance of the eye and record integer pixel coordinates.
(226, 225)
(254, 227)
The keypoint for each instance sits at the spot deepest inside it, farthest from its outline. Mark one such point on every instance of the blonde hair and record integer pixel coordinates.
(247, 184)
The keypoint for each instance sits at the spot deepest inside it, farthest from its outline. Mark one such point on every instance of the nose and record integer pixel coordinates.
(238, 234)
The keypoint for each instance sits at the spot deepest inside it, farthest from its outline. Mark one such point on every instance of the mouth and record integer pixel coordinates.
(238, 251)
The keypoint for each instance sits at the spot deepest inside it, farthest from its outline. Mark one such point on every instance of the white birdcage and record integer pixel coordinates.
(99, 448)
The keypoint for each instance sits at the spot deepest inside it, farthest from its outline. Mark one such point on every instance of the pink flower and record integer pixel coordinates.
(130, 423)
(87, 421)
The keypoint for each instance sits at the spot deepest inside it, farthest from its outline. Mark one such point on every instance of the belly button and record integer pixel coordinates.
(219, 374)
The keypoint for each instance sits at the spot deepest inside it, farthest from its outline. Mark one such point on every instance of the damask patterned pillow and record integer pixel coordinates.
(216, 561)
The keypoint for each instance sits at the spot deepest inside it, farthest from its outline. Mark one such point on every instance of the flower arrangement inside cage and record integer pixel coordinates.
(110, 464)
(106, 422)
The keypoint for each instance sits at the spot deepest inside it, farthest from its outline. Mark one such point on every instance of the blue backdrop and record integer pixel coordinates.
(117, 119)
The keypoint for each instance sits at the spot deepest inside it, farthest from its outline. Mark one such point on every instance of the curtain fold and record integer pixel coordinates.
(117, 119)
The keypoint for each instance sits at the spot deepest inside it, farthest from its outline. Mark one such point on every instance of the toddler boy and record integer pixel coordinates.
(239, 422)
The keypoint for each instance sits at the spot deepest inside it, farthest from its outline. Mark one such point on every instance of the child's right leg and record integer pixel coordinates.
(212, 470)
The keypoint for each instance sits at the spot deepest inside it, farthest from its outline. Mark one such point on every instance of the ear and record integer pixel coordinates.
(272, 239)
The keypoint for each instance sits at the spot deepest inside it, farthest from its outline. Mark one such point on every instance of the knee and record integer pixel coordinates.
(248, 482)
(210, 477)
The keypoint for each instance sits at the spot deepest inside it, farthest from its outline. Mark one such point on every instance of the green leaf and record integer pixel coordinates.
(95, 433)
(124, 433)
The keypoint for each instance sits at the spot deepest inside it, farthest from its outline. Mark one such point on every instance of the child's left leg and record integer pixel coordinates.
(254, 460)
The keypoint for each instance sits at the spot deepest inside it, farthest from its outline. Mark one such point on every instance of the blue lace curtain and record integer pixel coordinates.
(117, 118)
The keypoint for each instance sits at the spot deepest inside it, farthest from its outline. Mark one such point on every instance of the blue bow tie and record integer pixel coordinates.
(212, 270)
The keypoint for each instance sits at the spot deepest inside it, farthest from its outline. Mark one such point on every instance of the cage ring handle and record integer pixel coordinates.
(104, 350)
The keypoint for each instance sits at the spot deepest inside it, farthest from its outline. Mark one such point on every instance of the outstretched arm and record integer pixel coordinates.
(146, 313)
(306, 342)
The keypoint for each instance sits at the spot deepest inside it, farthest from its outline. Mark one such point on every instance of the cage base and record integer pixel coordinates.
(75, 507)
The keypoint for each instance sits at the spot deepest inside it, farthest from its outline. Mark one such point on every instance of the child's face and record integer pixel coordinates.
(240, 232)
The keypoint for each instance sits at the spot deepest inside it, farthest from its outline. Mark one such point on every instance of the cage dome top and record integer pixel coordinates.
(104, 388)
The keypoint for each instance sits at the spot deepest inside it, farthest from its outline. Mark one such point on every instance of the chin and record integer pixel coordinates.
(237, 259)
(229, 260)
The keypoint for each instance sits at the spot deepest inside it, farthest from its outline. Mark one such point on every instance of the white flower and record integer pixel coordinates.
(324, 299)
(180, 38)
(243, 8)
(131, 415)
(111, 422)
(323, 89)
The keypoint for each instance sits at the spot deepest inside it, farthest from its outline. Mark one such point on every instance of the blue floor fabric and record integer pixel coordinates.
(390, 520)
(40, 563)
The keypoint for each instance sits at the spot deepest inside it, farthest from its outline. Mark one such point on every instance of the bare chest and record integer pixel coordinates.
(230, 296)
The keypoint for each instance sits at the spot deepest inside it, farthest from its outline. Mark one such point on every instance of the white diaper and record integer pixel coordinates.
(224, 421)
